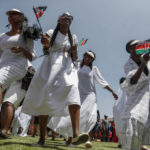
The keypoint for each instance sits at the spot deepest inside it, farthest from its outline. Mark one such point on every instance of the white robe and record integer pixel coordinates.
(55, 85)
(88, 111)
(136, 109)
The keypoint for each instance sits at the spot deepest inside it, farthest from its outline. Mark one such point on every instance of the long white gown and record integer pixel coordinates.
(13, 66)
(55, 85)
(117, 110)
(88, 111)
(136, 110)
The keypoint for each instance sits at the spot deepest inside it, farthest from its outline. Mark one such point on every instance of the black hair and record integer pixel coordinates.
(122, 80)
(55, 34)
(128, 46)
(91, 64)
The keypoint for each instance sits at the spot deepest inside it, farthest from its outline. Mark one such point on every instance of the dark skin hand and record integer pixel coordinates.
(113, 93)
(17, 49)
(138, 73)
(45, 40)
(73, 51)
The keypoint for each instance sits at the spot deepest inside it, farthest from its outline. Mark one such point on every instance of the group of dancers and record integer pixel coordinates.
(63, 87)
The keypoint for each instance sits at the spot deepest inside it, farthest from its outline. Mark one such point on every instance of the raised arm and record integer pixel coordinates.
(138, 73)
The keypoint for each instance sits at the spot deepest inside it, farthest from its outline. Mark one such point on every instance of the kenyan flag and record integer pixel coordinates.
(143, 48)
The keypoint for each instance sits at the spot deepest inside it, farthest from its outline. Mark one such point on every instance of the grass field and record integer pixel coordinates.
(24, 143)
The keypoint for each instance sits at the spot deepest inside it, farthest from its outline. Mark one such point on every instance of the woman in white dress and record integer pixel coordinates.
(136, 86)
(16, 51)
(87, 74)
(54, 88)
(117, 110)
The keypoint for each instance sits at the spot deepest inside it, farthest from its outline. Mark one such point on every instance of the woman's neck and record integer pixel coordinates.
(63, 30)
(14, 30)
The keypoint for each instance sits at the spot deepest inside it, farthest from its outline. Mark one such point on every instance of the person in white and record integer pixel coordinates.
(117, 110)
(54, 88)
(136, 108)
(15, 53)
(87, 74)
(14, 96)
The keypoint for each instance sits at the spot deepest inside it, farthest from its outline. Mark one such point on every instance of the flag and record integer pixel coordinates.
(82, 42)
(39, 11)
(143, 48)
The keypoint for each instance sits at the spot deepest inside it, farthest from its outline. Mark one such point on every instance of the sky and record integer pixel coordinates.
(108, 25)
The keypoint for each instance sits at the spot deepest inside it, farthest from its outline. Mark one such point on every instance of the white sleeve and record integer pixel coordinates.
(1, 51)
(131, 89)
(75, 39)
(98, 77)
(30, 47)
(50, 32)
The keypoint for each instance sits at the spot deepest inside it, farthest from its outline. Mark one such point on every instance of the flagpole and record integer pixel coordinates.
(38, 19)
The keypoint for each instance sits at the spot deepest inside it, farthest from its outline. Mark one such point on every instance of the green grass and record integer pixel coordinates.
(24, 143)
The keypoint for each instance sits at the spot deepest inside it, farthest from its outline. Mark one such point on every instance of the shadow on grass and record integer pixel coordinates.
(49, 145)
(110, 147)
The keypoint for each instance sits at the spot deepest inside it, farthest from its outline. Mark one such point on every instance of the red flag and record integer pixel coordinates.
(39, 11)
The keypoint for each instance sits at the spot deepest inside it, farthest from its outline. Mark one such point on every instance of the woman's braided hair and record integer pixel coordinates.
(55, 34)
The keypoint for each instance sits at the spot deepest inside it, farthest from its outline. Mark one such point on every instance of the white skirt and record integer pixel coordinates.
(14, 94)
(132, 134)
(48, 94)
(117, 110)
(11, 73)
(88, 117)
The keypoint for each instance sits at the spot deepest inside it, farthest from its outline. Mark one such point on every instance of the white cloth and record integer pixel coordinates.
(117, 111)
(14, 93)
(55, 84)
(21, 120)
(136, 109)
(13, 66)
(88, 111)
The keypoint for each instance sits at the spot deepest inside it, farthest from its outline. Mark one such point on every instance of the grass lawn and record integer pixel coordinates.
(24, 143)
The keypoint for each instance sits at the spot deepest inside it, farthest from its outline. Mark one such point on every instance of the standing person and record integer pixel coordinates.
(88, 75)
(54, 89)
(16, 51)
(105, 129)
(136, 108)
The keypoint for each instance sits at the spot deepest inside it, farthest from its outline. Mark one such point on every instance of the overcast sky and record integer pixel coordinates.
(108, 25)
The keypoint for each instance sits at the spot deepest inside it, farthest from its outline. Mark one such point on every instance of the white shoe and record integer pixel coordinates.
(88, 144)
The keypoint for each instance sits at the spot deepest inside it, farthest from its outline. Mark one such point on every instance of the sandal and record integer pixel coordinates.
(82, 138)
(3, 135)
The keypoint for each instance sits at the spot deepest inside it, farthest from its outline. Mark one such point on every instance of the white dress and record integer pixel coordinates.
(21, 120)
(117, 110)
(88, 111)
(136, 109)
(14, 93)
(55, 84)
(13, 66)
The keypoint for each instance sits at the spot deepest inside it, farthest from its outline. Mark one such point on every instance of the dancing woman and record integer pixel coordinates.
(87, 74)
(16, 52)
(136, 109)
(54, 88)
